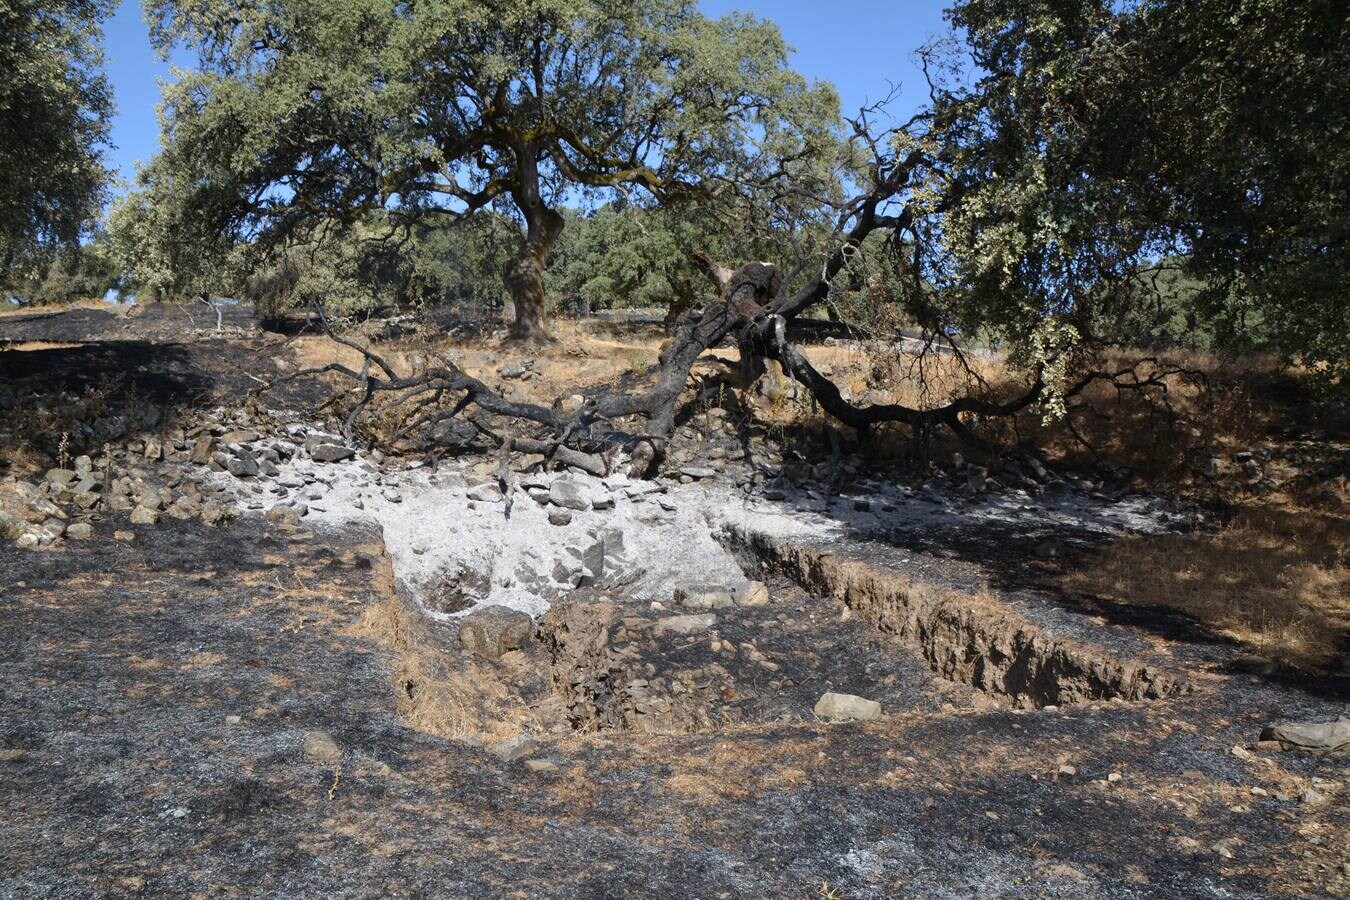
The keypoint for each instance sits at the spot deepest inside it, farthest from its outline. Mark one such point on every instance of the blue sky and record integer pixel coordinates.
(857, 44)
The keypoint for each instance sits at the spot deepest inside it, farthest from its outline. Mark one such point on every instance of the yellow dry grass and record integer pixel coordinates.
(436, 691)
(31, 346)
(1276, 580)
(53, 309)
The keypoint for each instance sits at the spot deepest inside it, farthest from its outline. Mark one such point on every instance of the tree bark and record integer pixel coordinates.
(524, 275)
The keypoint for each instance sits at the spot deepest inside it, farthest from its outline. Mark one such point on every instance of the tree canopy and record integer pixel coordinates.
(55, 106)
(1103, 143)
(1097, 172)
(307, 112)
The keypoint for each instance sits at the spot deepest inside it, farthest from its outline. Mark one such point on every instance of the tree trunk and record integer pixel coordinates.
(524, 275)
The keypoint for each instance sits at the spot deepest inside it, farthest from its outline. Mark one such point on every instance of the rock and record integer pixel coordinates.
(514, 370)
(61, 477)
(1311, 796)
(10, 527)
(774, 494)
(1066, 771)
(246, 467)
(331, 453)
(153, 498)
(1322, 737)
(143, 515)
(568, 494)
(29, 540)
(319, 747)
(215, 514)
(698, 472)
(284, 515)
(125, 536)
(185, 507)
(494, 630)
(605, 502)
(846, 708)
(704, 596)
(592, 558)
(80, 531)
(752, 593)
(515, 748)
(559, 517)
(485, 493)
(685, 624)
(202, 448)
(541, 765)
(1256, 665)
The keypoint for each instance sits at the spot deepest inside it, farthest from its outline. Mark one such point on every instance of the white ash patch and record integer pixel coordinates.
(454, 547)
(438, 535)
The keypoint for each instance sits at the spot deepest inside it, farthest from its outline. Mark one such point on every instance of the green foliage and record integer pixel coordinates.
(462, 261)
(1103, 137)
(622, 255)
(55, 106)
(79, 272)
(307, 112)
(352, 271)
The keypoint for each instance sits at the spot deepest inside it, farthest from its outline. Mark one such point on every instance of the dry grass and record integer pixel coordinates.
(31, 346)
(436, 691)
(1276, 580)
(53, 308)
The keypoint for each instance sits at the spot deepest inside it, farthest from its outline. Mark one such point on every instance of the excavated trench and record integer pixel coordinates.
(618, 645)
(962, 637)
(823, 622)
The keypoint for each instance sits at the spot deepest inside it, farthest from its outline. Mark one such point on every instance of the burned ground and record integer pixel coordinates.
(156, 694)
(124, 774)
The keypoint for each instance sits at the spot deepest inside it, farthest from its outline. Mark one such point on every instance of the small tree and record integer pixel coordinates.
(55, 106)
(309, 111)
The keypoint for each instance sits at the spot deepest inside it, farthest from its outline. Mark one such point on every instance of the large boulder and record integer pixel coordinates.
(494, 630)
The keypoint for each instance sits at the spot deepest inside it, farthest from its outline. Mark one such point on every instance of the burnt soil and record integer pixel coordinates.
(124, 772)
